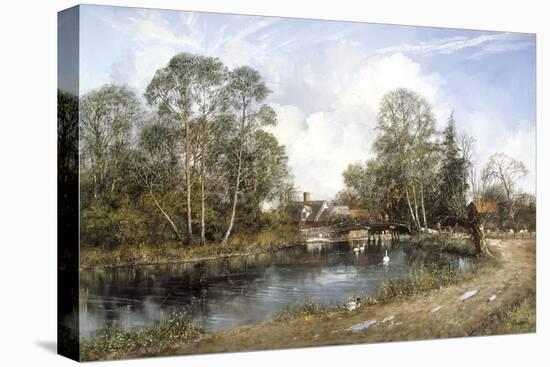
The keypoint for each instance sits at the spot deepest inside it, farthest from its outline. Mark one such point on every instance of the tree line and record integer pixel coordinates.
(192, 161)
(429, 177)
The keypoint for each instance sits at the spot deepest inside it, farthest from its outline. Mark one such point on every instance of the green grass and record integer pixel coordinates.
(113, 341)
(432, 277)
(404, 287)
(300, 309)
(513, 319)
(143, 254)
(444, 243)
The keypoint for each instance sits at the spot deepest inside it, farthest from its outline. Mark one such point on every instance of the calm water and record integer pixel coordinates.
(225, 293)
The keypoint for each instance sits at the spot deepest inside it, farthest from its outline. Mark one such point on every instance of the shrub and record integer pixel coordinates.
(112, 341)
(444, 243)
(301, 309)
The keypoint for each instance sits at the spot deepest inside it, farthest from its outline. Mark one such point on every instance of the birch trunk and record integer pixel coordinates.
(417, 217)
(423, 207)
(410, 205)
(235, 196)
(172, 224)
(238, 181)
(188, 183)
(203, 224)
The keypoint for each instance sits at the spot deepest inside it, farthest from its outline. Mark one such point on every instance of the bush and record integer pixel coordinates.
(301, 309)
(444, 243)
(113, 341)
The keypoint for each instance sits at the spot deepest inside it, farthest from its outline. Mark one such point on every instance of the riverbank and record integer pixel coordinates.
(240, 244)
(493, 300)
(458, 244)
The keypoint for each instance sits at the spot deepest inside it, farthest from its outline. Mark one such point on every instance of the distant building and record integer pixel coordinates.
(311, 213)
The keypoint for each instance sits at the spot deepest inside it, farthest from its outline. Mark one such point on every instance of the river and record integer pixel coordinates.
(221, 294)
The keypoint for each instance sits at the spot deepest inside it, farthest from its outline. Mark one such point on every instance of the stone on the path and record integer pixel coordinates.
(362, 325)
(467, 295)
(437, 309)
(388, 318)
(492, 298)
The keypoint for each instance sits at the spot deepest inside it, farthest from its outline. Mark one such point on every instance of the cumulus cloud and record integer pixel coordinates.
(326, 87)
(518, 142)
(341, 130)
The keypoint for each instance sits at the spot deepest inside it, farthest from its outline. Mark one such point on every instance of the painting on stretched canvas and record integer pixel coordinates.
(233, 183)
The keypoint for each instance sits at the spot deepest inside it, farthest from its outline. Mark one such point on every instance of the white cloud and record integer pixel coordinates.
(341, 128)
(326, 98)
(137, 66)
(147, 25)
(484, 44)
(492, 137)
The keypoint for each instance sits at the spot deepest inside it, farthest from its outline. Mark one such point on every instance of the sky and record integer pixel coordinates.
(327, 78)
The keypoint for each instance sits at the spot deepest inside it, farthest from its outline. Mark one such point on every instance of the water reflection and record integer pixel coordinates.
(233, 291)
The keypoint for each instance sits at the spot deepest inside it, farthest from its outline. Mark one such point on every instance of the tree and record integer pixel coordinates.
(363, 183)
(209, 92)
(265, 176)
(246, 92)
(155, 164)
(405, 142)
(175, 90)
(453, 174)
(107, 116)
(357, 179)
(507, 172)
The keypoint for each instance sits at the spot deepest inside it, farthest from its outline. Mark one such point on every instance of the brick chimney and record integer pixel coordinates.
(306, 197)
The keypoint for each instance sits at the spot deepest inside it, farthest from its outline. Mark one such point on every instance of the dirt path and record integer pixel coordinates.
(437, 314)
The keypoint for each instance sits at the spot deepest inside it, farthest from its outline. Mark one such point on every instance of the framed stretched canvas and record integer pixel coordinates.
(231, 183)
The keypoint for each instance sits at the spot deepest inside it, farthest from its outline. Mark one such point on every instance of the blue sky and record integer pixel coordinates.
(328, 77)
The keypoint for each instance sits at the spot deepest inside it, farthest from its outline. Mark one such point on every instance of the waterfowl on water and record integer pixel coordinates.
(353, 305)
(356, 249)
(386, 259)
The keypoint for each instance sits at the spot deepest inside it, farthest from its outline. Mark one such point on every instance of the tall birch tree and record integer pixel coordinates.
(406, 126)
(246, 93)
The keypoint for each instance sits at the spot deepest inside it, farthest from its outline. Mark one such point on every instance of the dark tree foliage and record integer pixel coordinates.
(452, 177)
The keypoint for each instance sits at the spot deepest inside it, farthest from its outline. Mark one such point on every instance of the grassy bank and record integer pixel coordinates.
(444, 242)
(410, 302)
(143, 254)
(519, 317)
(112, 341)
(302, 309)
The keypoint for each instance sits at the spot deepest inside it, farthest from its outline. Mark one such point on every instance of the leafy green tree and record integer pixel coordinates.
(265, 177)
(210, 95)
(155, 165)
(107, 116)
(405, 142)
(364, 186)
(452, 176)
(171, 91)
(246, 93)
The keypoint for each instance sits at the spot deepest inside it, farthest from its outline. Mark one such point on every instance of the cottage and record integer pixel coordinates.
(310, 213)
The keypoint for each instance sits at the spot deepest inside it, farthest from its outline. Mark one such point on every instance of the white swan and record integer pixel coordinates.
(353, 305)
(362, 248)
(386, 259)
(356, 249)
